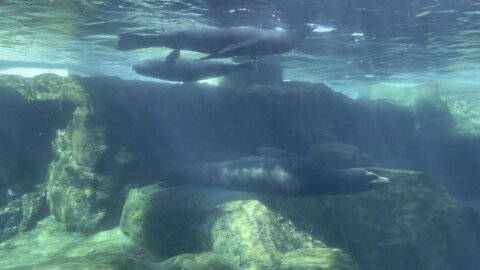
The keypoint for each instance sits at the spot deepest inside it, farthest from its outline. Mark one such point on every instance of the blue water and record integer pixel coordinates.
(356, 42)
(134, 131)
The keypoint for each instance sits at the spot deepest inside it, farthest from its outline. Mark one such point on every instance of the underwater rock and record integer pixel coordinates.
(34, 208)
(202, 261)
(27, 127)
(94, 262)
(412, 224)
(403, 94)
(464, 109)
(171, 221)
(22, 212)
(317, 259)
(433, 117)
(69, 250)
(10, 217)
(75, 191)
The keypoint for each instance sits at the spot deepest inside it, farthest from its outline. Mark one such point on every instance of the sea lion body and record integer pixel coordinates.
(220, 42)
(176, 68)
(286, 176)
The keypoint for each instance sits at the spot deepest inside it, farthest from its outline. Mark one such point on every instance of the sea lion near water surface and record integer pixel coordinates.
(221, 42)
(180, 69)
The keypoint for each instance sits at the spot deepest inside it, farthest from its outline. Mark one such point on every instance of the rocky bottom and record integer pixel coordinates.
(413, 224)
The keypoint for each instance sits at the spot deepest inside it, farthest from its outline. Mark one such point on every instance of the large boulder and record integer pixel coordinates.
(50, 246)
(202, 261)
(413, 224)
(317, 259)
(233, 225)
(21, 213)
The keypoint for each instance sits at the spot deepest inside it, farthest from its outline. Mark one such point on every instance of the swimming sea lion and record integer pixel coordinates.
(286, 176)
(175, 68)
(221, 42)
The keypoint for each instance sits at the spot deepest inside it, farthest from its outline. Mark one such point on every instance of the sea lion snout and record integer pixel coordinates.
(382, 180)
(375, 178)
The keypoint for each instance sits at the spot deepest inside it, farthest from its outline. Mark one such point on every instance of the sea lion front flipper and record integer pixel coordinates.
(172, 57)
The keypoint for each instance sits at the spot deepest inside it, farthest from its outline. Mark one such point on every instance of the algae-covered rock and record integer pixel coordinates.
(77, 194)
(251, 235)
(412, 224)
(27, 128)
(10, 217)
(202, 261)
(21, 213)
(464, 109)
(34, 208)
(93, 262)
(171, 221)
(186, 219)
(50, 246)
(45, 112)
(317, 259)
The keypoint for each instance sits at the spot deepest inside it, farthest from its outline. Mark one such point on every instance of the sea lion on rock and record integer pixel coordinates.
(221, 42)
(175, 68)
(286, 176)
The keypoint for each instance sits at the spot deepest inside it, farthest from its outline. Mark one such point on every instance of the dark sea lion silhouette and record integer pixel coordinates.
(279, 172)
(176, 68)
(221, 42)
(284, 176)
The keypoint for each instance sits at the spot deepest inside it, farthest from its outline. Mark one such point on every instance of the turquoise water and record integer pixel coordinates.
(356, 42)
(359, 149)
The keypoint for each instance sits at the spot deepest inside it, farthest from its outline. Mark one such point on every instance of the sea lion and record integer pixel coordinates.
(285, 176)
(175, 68)
(221, 42)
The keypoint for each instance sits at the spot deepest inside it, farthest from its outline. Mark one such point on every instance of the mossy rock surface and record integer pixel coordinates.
(202, 261)
(234, 225)
(50, 246)
(317, 259)
(412, 224)
(171, 221)
(92, 262)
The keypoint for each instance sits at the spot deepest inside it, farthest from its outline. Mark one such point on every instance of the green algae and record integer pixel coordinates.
(202, 261)
(50, 246)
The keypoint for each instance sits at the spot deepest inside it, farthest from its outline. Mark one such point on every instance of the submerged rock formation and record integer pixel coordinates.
(79, 145)
(413, 224)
